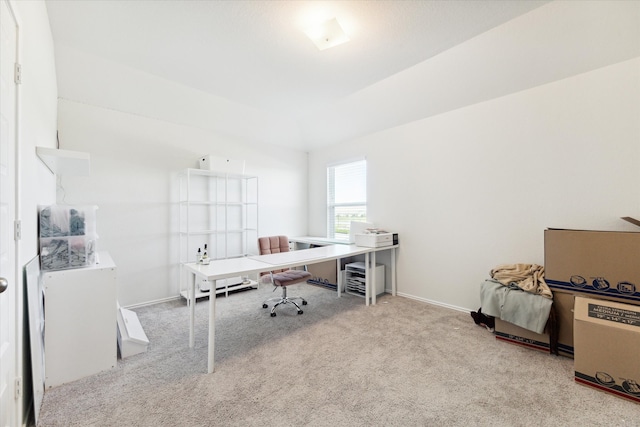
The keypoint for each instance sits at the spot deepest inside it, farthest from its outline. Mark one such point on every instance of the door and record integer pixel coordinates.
(8, 285)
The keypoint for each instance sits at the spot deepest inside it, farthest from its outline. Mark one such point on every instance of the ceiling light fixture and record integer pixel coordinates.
(327, 34)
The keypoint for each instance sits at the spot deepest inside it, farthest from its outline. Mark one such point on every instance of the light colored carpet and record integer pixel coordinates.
(399, 363)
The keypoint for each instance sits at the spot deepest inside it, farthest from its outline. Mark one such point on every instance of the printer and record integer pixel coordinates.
(376, 239)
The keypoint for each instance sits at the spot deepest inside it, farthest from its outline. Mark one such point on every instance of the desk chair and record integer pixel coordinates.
(282, 278)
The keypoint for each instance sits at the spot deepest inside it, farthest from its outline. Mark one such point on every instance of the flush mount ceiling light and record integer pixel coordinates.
(327, 34)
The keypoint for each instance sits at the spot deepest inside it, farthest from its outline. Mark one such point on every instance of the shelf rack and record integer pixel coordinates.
(221, 211)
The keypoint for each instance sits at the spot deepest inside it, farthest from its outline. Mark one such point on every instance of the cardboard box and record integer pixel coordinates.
(324, 271)
(593, 263)
(563, 306)
(607, 344)
(513, 334)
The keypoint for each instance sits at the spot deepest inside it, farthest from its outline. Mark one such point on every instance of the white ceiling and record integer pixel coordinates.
(255, 52)
(249, 65)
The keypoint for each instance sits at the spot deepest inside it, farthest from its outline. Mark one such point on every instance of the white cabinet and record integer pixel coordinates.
(80, 333)
(355, 277)
(220, 211)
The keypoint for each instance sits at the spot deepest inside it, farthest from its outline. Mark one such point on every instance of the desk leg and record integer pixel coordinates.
(367, 282)
(192, 308)
(394, 289)
(339, 278)
(212, 330)
(372, 286)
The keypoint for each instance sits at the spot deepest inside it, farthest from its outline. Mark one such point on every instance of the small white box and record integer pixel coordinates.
(231, 281)
(131, 337)
(221, 164)
(372, 240)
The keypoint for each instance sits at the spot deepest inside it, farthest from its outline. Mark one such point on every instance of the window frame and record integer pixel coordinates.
(332, 205)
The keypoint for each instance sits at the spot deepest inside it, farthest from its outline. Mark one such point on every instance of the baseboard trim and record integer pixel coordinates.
(153, 302)
(439, 304)
(388, 291)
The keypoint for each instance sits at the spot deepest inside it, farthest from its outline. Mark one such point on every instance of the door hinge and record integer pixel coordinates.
(17, 230)
(18, 73)
(18, 387)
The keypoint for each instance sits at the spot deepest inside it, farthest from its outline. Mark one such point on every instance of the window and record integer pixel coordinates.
(346, 197)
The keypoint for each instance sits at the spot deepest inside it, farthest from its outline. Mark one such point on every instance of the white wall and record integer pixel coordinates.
(474, 188)
(468, 188)
(37, 127)
(134, 166)
(38, 116)
(140, 131)
(474, 185)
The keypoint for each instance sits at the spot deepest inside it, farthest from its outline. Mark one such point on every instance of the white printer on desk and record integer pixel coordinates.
(376, 239)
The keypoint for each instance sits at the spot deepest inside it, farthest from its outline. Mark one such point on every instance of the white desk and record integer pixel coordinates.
(221, 269)
(319, 241)
(331, 252)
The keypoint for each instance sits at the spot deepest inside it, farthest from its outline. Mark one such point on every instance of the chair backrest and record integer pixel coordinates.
(273, 244)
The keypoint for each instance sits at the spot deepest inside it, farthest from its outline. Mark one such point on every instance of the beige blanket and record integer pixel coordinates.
(528, 277)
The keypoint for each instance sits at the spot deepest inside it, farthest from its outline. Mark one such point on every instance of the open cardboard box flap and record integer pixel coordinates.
(631, 220)
(625, 218)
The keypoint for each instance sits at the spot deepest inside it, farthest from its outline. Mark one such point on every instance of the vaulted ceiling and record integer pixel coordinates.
(255, 53)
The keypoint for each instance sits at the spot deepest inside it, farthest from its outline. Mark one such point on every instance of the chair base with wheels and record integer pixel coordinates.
(282, 278)
(284, 299)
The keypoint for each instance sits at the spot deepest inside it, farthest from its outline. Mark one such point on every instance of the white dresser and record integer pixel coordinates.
(80, 337)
